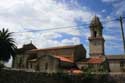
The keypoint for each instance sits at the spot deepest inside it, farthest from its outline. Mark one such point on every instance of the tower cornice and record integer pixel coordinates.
(96, 38)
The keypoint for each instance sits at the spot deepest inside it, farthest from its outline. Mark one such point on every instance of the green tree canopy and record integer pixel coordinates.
(7, 45)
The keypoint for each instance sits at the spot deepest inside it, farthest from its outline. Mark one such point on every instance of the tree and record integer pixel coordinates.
(7, 45)
(96, 73)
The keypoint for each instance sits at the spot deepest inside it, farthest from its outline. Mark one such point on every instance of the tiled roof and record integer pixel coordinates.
(54, 48)
(96, 60)
(57, 57)
(75, 71)
(115, 56)
(93, 60)
(63, 59)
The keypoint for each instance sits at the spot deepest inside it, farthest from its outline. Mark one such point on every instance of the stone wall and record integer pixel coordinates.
(48, 64)
(19, 76)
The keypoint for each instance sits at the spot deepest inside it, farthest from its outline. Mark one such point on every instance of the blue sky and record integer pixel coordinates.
(33, 20)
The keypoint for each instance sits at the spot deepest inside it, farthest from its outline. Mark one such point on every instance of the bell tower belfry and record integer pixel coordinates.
(96, 40)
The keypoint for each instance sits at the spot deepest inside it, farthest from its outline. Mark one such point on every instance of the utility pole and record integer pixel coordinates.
(121, 23)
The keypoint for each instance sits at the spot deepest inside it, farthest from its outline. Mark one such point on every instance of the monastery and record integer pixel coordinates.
(71, 58)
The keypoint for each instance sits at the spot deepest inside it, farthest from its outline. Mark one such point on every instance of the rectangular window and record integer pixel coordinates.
(46, 66)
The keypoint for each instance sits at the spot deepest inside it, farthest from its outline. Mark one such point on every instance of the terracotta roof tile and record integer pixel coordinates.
(75, 71)
(93, 60)
(96, 60)
(115, 57)
(63, 59)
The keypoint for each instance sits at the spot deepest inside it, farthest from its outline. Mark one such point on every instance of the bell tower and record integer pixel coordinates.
(96, 40)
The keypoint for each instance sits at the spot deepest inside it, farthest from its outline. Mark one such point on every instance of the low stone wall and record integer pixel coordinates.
(20, 76)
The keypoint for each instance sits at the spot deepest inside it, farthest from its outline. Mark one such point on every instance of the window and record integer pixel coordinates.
(37, 67)
(46, 66)
(122, 64)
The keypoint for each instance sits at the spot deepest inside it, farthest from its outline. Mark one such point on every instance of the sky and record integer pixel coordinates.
(50, 23)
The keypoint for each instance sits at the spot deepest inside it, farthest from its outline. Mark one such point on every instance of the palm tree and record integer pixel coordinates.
(7, 45)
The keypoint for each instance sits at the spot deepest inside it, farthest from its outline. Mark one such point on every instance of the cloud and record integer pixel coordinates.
(9, 64)
(54, 42)
(103, 11)
(114, 47)
(120, 7)
(74, 41)
(34, 20)
(51, 35)
(109, 1)
(109, 37)
(27, 15)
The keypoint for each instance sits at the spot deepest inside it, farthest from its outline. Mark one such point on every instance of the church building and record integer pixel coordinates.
(71, 58)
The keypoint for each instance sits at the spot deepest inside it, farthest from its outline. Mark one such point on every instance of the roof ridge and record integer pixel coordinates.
(57, 47)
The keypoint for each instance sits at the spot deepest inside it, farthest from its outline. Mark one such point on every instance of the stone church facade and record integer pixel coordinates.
(57, 59)
(71, 58)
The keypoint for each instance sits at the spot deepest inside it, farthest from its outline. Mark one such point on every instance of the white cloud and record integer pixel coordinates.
(9, 64)
(111, 25)
(104, 10)
(109, 37)
(73, 41)
(109, 0)
(120, 7)
(50, 35)
(22, 15)
(54, 43)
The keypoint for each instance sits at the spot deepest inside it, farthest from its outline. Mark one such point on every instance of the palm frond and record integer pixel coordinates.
(7, 45)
